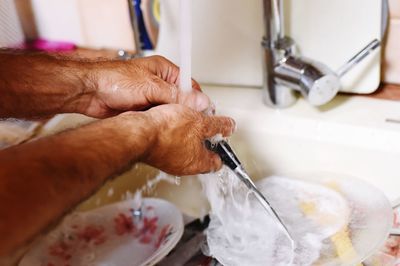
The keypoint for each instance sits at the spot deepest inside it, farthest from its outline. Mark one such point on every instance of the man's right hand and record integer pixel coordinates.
(177, 146)
(62, 170)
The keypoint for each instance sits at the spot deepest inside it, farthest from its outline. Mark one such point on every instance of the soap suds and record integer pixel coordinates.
(242, 233)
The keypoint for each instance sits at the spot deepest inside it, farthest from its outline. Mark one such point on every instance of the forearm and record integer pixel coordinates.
(33, 85)
(41, 180)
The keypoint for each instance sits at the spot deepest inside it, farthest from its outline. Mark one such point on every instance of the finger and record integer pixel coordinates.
(176, 79)
(214, 125)
(166, 70)
(196, 85)
(163, 68)
(208, 162)
(195, 100)
(161, 92)
(210, 111)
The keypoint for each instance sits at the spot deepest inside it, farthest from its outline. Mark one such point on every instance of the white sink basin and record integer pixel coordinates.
(356, 136)
(352, 136)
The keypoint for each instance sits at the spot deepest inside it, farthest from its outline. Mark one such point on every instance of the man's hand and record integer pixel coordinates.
(178, 147)
(61, 171)
(40, 85)
(138, 84)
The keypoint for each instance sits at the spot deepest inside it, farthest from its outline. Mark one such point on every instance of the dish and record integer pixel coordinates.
(15, 131)
(111, 236)
(369, 221)
(334, 220)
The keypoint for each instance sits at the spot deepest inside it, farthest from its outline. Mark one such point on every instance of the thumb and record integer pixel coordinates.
(163, 92)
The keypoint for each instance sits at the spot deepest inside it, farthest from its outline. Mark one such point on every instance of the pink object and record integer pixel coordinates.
(390, 253)
(51, 46)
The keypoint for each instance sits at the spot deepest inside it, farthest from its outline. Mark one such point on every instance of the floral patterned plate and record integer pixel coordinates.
(111, 236)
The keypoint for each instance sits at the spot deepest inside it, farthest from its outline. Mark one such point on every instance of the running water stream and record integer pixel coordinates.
(240, 232)
(185, 77)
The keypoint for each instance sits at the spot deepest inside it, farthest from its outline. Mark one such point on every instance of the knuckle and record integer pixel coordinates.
(205, 126)
(152, 90)
(174, 94)
(154, 85)
(159, 58)
(228, 125)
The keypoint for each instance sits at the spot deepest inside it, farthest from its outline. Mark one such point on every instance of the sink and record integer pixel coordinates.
(353, 136)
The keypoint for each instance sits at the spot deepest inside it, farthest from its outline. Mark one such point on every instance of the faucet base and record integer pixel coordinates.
(279, 96)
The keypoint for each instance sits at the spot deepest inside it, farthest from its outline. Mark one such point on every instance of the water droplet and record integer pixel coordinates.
(110, 192)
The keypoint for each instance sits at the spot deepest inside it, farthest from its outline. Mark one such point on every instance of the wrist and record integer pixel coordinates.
(97, 79)
(138, 131)
(85, 87)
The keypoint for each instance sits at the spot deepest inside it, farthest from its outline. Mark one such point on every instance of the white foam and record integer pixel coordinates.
(242, 233)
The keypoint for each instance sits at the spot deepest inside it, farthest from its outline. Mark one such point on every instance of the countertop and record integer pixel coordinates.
(388, 92)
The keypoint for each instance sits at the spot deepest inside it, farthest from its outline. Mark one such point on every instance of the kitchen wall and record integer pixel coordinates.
(98, 28)
(226, 45)
(391, 64)
(89, 23)
(11, 34)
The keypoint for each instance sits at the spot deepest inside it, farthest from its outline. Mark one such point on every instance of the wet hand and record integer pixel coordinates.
(178, 147)
(138, 84)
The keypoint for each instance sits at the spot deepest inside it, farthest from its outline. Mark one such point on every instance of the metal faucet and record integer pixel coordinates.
(122, 54)
(286, 74)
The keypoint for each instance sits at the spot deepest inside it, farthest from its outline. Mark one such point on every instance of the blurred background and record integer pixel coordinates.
(107, 25)
(64, 25)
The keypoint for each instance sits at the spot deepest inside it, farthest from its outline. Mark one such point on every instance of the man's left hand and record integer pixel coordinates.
(138, 84)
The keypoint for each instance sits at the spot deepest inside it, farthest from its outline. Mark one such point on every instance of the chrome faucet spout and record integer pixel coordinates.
(123, 54)
(275, 47)
(273, 20)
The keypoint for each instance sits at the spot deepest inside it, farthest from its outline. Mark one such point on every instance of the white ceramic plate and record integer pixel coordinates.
(368, 224)
(15, 131)
(110, 236)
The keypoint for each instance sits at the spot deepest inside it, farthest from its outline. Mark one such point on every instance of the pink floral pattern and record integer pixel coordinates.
(144, 230)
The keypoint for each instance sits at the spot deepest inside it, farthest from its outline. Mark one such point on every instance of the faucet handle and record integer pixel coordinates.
(316, 81)
(358, 57)
(327, 86)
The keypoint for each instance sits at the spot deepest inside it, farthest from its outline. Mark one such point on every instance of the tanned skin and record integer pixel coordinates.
(42, 180)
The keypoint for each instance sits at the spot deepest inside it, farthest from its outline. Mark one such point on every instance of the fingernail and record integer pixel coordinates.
(234, 126)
